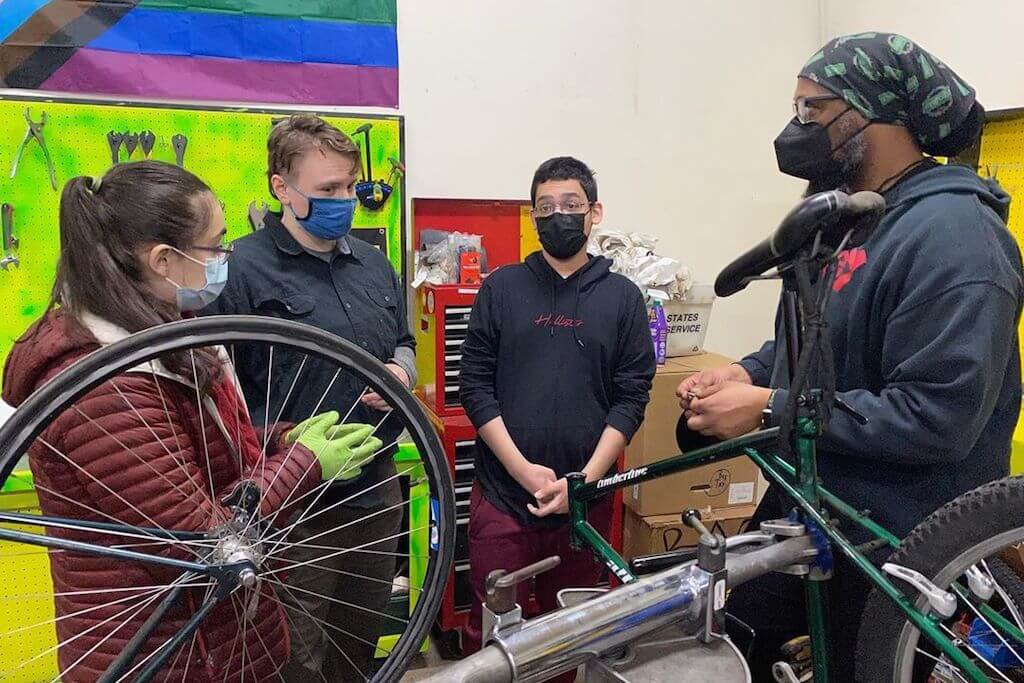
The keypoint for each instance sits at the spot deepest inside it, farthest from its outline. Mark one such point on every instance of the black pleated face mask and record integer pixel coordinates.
(562, 234)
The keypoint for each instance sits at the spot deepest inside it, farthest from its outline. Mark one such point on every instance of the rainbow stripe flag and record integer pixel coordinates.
(319, 52)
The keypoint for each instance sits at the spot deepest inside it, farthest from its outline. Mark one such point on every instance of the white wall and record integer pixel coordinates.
(981, 41)
(674, 104)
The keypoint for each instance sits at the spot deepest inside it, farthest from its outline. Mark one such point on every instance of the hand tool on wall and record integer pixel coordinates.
(147, 140)
(10, 241)
(34, 131)
(371, 193)
(257, 214)
(131, 141)
(179, 142)
(114, 140)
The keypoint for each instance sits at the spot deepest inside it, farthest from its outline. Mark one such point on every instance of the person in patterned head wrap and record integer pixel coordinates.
(923, 318)
(868, 105)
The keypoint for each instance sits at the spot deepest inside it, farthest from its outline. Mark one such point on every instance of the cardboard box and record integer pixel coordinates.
(726, 484)
(665, 533)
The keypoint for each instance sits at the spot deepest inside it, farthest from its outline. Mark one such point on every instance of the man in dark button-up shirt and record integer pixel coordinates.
(304, 266)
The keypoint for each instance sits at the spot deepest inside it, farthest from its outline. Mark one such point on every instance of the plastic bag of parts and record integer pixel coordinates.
(440, 255)
(633, 255)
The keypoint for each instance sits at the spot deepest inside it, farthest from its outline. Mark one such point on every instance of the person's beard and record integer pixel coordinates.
(851, 156)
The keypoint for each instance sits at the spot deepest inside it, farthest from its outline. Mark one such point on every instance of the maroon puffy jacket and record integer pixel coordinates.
(148, 468)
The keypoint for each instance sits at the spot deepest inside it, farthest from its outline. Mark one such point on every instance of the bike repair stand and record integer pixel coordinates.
(711, 559)
(501, 612)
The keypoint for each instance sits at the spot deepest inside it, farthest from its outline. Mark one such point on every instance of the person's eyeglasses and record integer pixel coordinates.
(545, 209)
(804, 107)
(224, 250)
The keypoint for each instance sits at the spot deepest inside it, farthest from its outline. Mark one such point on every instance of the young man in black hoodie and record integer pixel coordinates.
(923, 317)
(556, 373)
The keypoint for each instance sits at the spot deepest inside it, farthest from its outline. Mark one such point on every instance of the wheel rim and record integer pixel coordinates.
(60, 394)
(907, 647)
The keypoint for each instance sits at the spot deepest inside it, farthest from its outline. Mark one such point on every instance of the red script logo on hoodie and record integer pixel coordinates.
(849, 261)
(550, 320)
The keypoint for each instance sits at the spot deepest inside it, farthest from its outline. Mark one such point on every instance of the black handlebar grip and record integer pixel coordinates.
(733, 277)
(800, 225)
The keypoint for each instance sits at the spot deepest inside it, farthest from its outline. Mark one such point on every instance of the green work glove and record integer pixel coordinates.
(341, 450)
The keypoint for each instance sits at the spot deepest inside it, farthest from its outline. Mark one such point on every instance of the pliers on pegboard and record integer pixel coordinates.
(35, 132)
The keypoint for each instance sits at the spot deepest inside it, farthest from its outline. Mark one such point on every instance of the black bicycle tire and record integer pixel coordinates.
(31, 418)
(965, 522)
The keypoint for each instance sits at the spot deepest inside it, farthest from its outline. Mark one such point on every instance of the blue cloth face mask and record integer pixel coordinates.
(216, 278)
(327, 218)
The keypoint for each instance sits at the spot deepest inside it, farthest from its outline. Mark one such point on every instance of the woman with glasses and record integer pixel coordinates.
(162, 445)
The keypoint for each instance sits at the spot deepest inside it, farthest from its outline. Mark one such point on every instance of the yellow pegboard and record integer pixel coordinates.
(27, 628)
(1002, 155)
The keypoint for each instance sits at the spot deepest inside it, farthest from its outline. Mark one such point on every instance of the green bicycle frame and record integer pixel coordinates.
(801, 484)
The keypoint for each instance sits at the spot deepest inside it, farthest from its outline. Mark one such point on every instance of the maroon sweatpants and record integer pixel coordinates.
(499, 541)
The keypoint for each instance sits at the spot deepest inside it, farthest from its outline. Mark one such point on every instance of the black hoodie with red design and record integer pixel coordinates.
(558, 359)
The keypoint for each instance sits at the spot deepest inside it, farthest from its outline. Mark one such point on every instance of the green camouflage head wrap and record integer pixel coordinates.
(889, 79)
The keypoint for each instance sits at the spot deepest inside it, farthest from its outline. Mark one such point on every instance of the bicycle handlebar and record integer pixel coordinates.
(819, 212)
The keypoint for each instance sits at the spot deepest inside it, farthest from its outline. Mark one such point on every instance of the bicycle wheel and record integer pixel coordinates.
(112, 591)
(978, 529)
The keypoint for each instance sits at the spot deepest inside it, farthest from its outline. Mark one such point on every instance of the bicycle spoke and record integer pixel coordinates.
(56, 620)
(215, 510)
(202, 428)
(115, 494)
(273, 551)
(295, 630)
(977, 654)
(155, 539)
(994, 630)
(322, 487)
(291, 450)
(105, 639)
(270, 657)
(163, 402)
(234, 642)
(363, 577)
(336, 601)
(283, 532)
(322, 624)
(952, 669)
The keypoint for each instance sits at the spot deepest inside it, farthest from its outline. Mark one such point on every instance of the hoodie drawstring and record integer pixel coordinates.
(552, 327)
(576, 311)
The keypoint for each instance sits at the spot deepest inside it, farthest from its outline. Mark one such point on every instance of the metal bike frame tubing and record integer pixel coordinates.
(925, 624)
(580, 493)
(814, 590)
(880, 532)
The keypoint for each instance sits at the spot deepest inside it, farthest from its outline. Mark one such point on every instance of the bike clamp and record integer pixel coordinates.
(711, 559)
(501, 612)
(943, 602)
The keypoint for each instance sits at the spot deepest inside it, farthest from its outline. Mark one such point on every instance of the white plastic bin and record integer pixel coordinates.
(688, 321)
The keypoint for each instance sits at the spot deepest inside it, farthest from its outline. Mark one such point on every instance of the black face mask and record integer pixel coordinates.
(561, 234)
(804, 150)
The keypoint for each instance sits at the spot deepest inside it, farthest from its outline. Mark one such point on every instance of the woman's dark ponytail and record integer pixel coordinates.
(104, 224)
